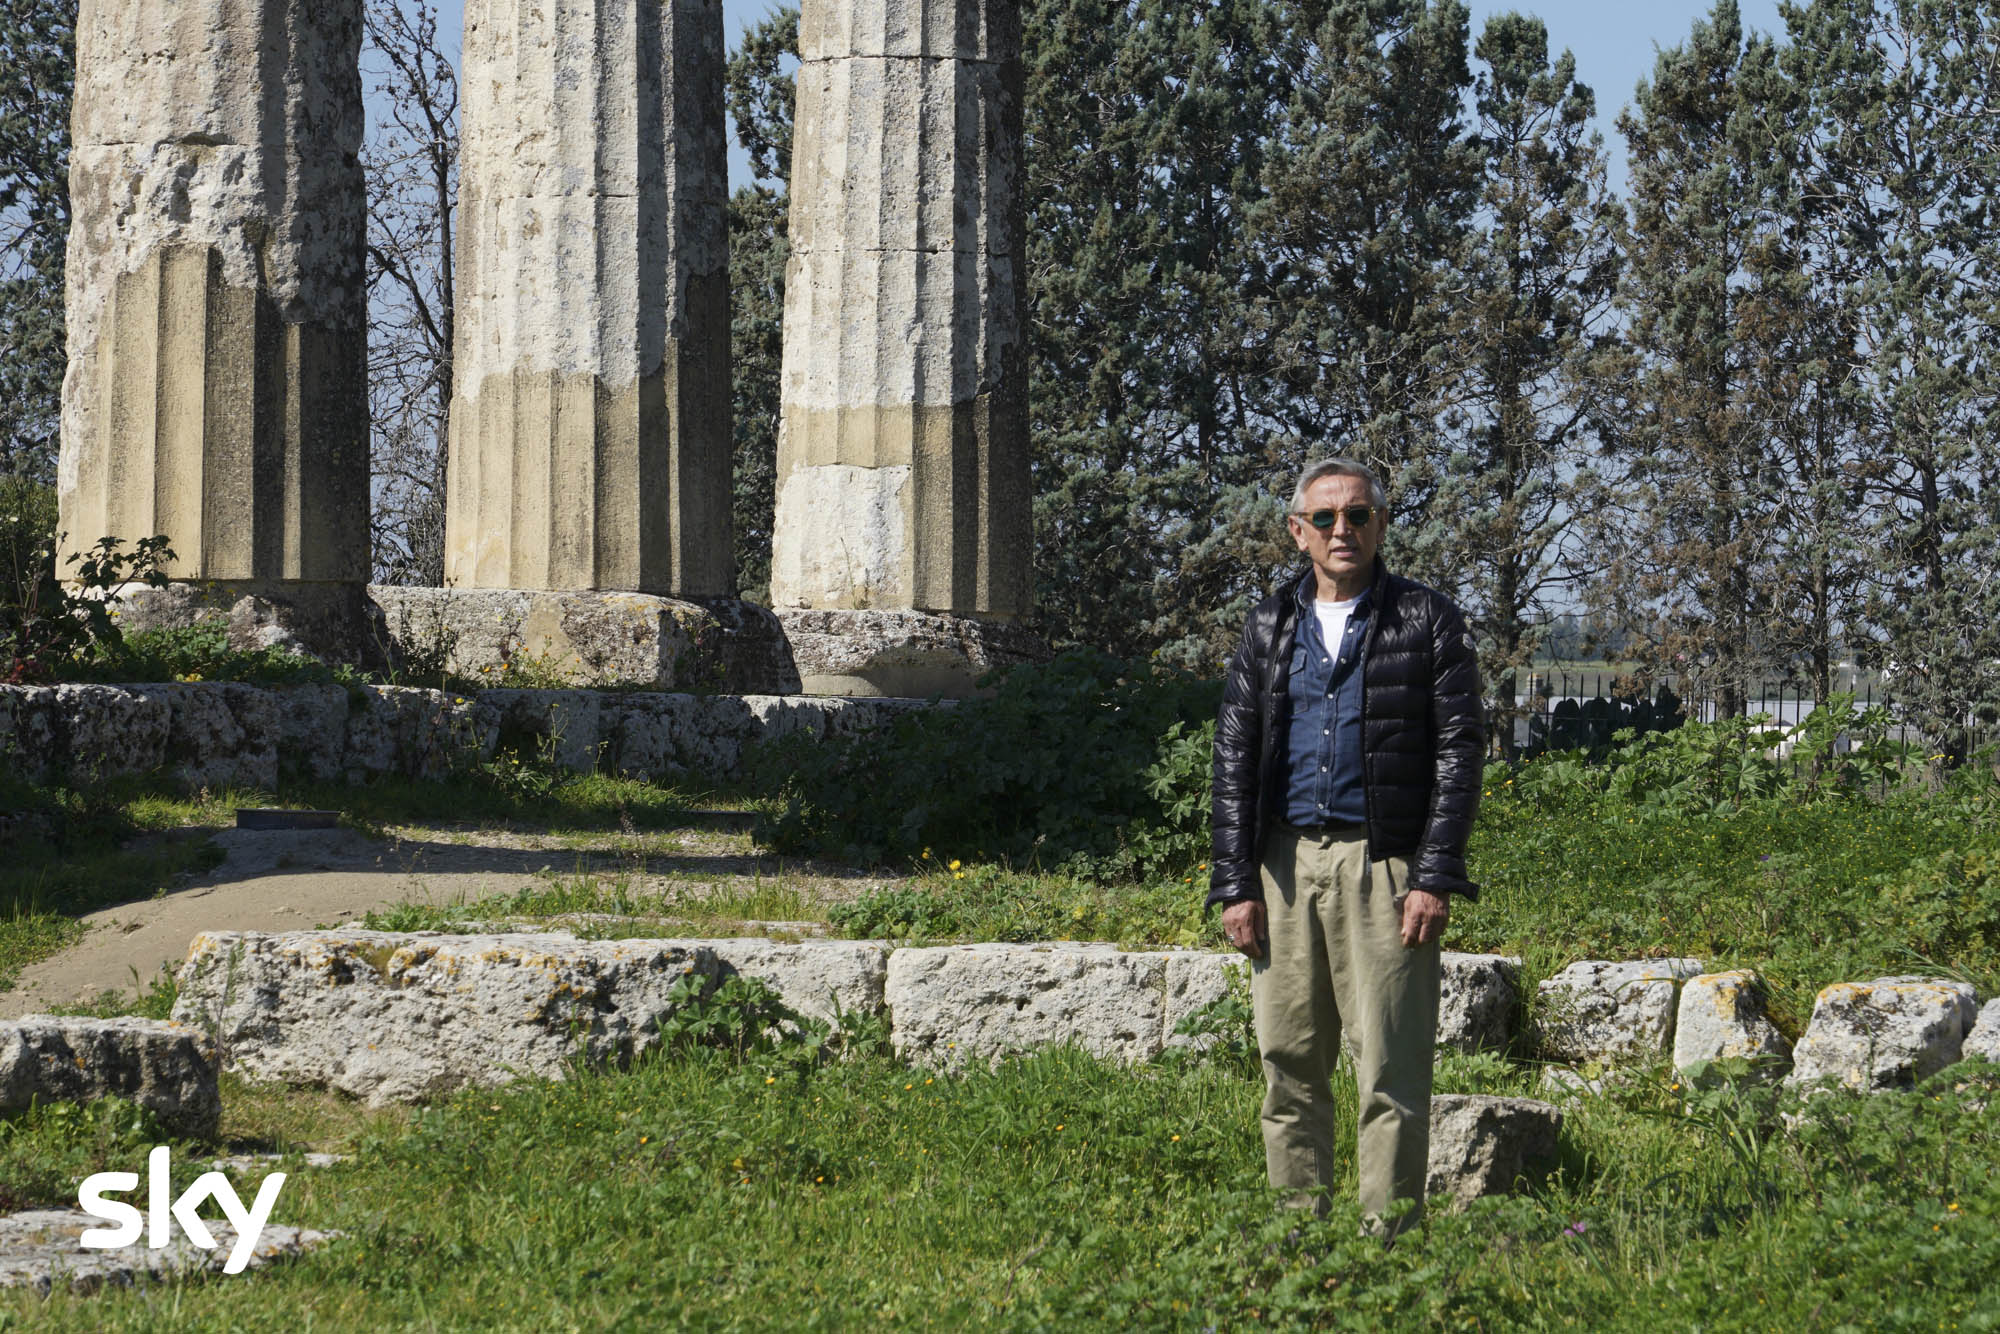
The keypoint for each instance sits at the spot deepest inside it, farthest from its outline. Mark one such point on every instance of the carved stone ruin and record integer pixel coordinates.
(591, 433)
(218, 312)
(217, 308)
(902, 528)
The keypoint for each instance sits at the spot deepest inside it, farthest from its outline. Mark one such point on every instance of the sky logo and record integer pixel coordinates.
(163, 1210)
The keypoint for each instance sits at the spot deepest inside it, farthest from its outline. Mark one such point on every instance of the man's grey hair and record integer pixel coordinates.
(1378, 495)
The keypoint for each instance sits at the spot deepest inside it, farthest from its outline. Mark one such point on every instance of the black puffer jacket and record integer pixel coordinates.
(1421, 725)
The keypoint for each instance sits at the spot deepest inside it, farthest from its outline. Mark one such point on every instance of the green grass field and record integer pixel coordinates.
(765, 1188)
(706, 1190)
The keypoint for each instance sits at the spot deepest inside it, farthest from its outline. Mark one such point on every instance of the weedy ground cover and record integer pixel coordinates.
(745, 1180)
(69, 850)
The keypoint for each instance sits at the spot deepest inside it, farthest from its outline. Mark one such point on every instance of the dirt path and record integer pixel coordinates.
(296, 880)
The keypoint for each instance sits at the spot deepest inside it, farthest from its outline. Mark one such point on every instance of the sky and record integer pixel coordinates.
(1614, 42)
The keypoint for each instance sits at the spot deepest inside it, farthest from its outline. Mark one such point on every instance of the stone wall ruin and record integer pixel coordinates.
(218, 310)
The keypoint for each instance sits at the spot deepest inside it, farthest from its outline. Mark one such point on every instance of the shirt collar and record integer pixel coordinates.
(1308, 593)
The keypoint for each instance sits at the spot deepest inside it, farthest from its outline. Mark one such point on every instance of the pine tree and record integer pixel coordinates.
(1689, 522)
(760, 97)
(1537, 277)
(1372, 185)
(1147, 123)
(1905, 163)
(37, 74)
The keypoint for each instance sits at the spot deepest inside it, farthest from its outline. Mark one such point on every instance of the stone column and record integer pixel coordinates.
(590, 441)
(217, 306)
(902, 458)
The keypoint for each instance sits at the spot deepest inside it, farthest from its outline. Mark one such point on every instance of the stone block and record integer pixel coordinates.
(1195, 981)
(1481, 1145)
(1893, 1032)
(1479, 1003)
(332, 621)
(821, 979)
(1599, 1011)
(962, 1003)
(312, 731)
(586, 638)
(416, 733)
(166, 1068)
(561, 727)
(1722, 1017)
(222, 736)
(102, 731)
(43, 1248)
(401, 1017)
(906, 654)
(1984, 1039)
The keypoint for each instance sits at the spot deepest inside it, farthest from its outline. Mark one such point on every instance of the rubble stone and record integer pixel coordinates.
(43, 1248)
(401, 1017)
(956, 1004)
(166, 1068)
(1722, 1017)
(1893, 1032)
(1480, 1145)
(1605, 1012)
(1479, 1003)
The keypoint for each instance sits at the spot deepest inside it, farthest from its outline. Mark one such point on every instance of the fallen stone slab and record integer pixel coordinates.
(1196, 980)
(1722, 1017)
(43, 1247)
(1984, 1039)
(1605, 1012)
(821, 979)
(1480, 1002)
(1480, 1145)
(1893, 1032)
(955, 1004)
(166, 1068)
(398, 1017)
(258, 1162)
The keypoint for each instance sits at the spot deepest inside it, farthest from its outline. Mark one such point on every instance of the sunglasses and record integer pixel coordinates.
(1358, 516)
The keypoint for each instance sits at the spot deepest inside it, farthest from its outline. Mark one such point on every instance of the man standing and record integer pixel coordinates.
(1348, 757)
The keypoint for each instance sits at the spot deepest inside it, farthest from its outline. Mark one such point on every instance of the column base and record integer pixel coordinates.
(590, 638)
(902, 654)
(334, 622)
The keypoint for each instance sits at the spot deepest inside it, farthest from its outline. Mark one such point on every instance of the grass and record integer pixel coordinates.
(702, 1190)
(722, 909)
(74, 850)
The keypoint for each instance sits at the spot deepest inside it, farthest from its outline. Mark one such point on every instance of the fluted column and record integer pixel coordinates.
(216, 292)
(590, 439)
(902, 457)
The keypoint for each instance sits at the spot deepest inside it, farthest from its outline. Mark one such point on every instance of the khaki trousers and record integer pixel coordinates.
(1336, 960)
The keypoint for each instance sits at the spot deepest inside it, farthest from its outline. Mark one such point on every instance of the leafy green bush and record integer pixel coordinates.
(51, 619)
(1712, 766)
(1087, 761)
(201, 652)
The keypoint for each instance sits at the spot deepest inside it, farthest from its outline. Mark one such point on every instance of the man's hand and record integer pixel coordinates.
(1424, 916)
(1243, 926)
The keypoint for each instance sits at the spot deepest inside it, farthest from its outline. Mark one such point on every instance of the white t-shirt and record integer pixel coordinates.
(1333, 618)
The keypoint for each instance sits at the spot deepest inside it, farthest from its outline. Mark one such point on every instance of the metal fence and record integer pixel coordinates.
(1582, 710)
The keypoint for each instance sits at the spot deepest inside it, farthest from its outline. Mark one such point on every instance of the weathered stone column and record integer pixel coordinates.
(902, 458)
(590, 440)
(217, 306)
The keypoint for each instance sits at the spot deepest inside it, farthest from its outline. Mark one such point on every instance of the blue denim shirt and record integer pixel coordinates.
(1326, 784)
